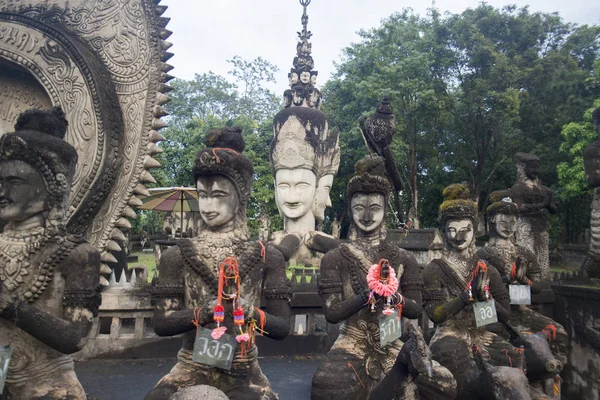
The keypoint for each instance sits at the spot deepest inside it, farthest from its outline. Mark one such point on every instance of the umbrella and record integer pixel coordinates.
(172, 199)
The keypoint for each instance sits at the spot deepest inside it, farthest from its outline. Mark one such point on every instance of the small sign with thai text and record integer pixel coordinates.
(5, 355)
(485, 313)
(214, 352)
(520, 294)
(390, 328)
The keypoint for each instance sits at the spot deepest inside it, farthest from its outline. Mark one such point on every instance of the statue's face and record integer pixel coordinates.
(460, 233)
(22, 191)
(368, 210)
(305, 77)
(532, 169)
(218, 201)
(294, 78)
(295, 191)
(313, 80)
(506, 225)
(322, 199)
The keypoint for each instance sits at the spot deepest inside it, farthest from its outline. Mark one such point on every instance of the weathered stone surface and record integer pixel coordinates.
(199, 392)
(533, 200)
(48, 278)
(305, 153)
(107, 78)
(190, 290)
(386, 372)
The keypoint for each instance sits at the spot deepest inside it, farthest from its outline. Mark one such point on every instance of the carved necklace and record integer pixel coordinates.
(16, 250)
(506, 250)
(214, 247)
(462, 266)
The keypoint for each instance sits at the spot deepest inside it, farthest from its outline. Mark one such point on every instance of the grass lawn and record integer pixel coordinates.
(147, 259)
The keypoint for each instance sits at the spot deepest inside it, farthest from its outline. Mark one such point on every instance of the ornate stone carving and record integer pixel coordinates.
(104, 62)
(454, 285)
(48, 296)
(305, 154)
(348, 297)
(189, 292)
(591, 162)
(518, 266)
(533, 199)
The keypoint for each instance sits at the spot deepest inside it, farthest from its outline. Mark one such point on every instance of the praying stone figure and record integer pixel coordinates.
(591, 163)
(455, 284)
(305, 156)
(517, 265)
(533, 199)
(196, 289)
(358, 366)
(48, 297)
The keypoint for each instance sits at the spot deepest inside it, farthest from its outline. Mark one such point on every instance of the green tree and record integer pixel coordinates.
(469, 90)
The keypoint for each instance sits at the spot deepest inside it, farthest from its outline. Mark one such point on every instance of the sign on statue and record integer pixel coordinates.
(485, 313)
(214, 352)
(5, 354)
(520, 294)
(390, 328)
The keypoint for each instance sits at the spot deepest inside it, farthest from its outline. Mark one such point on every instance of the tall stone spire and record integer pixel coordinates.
(302, 92)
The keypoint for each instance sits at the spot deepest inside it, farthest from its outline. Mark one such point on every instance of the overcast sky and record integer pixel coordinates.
(207, 33)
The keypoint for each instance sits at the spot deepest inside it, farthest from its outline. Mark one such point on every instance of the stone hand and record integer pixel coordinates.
(246, 306)
(521, 270)
(480, 281)
(385, 271)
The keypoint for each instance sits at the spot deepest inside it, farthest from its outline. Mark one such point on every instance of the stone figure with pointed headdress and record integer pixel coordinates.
(48, 297)
(359, 366)
(305, 156)
(591, 162)
(533, 199)
(191, 293)
(518, 266)
(454, 284)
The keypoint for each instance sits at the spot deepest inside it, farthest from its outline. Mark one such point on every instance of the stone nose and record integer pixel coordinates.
(554, 366)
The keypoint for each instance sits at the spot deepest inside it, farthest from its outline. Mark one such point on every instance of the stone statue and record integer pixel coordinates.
(357, 364)
(191, 274)
(111, 78)
(305, 156)
(378, 131)
(455, 283)
(591, 163)
(533, 198)
(48, 297)
(517, 265)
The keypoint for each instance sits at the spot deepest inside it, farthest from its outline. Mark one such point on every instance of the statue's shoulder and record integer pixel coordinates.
(488, 253)
(76, 251)
(334, 257)
(435, 266)
(265, 251)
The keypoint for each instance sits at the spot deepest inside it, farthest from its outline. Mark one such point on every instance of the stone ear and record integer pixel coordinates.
(493, 220)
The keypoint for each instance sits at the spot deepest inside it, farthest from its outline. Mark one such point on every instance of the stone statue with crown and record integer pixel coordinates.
(364, 283)
(305, 155)
(48, 297)
(216, 280)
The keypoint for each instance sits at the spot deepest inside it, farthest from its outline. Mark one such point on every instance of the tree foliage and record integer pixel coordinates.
(468, 90)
